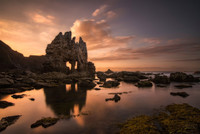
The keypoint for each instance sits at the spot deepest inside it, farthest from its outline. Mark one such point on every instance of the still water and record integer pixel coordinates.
(96, 115)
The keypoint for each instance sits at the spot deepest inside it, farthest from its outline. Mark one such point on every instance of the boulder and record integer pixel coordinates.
(182, 94)
(5, 104)
(197, 72)
(144, 84)
(9, 90)
(86, 84)
(97, 88)
(161, 85)
(109, 71)
(182, 77)
(101, 76)
(131, 79)
(45, 122)
(7, 121)
(183, 86)
(32, 99)
(18, 96)
(110, 83)
(161, 79)
(6, 82)
(116, 98)
(29, 81)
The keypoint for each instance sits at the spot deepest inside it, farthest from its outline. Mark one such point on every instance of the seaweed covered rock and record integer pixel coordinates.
(139, 125)
(175, 119)
(161, 79)
(110, 83)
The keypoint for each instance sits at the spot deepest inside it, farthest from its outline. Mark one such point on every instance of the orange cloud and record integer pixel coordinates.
(111, 14)
(99, 10)
(42, 19)
(97, 34)
(27, 38)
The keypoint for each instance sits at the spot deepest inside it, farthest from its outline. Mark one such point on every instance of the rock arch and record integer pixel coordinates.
(64, 49)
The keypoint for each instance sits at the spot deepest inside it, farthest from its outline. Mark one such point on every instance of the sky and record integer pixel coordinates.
(132, 35)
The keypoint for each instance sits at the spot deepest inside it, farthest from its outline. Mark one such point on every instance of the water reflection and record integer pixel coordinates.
(65, 100)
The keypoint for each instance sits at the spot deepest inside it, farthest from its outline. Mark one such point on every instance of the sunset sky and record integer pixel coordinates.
(145, 35)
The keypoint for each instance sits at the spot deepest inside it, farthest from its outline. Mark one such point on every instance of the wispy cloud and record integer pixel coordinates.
(111, 14)
(42, 19)
(167, 50)
(100, 10)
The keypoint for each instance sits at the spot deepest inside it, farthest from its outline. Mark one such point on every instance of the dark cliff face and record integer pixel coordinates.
(10, 59)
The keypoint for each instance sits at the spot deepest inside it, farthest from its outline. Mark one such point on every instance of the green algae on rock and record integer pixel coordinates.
(175, 119)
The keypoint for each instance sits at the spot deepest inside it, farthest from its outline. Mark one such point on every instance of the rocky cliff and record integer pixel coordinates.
(62, 55)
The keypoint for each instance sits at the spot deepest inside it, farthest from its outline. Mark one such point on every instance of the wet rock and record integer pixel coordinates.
(197, 72)
(183, 86)
(119, 79)
(120, 93)
(144, 84)
(137, 74)
(101, 76)
(45, 122)
(9, 90)
(182, 77)
(110, 83)
(161, 79)
(91, 69)
(6, 82)
(7, 121)
(86, 84)
(182, 94)
(97, 88)
(30, 81)
(116, 98)
(109, 71)
(18, 96)
(32, 99)
(26, 88)
(45, 84)
(99, 82)
(131, 79)
(5, 104)
(161, 85)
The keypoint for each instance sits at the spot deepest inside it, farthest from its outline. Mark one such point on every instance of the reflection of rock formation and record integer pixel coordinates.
(64, 100)
(64, 50)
